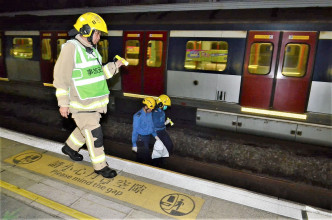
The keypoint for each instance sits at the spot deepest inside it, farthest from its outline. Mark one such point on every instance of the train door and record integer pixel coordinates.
(132, 77)
(154, 65)
(51, 43)
(259, 69)
(2, 57)
(294, 71)
(146, 54)
(278, 77)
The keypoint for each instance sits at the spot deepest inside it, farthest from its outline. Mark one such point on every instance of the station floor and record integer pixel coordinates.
(38, 183)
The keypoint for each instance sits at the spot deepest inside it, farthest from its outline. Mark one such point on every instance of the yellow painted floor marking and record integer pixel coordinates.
(149, 196)
(46, 202)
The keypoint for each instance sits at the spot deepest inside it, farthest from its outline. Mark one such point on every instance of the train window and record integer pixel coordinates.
(206, 55)
(154, 53)
(22, 48)
(260, 58)
(103, 50)
(59, 46)
(132, 52)
(46, 49)
(295, 60)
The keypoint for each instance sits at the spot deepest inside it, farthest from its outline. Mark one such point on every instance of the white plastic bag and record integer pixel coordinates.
(159, 150)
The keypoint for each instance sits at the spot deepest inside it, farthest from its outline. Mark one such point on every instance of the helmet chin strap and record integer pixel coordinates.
(91, 37)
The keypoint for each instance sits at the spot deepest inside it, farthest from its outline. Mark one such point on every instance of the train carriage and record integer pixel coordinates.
(240, 68)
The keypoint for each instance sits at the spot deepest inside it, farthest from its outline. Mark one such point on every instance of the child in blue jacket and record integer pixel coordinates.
(160, 122)
(142, 129)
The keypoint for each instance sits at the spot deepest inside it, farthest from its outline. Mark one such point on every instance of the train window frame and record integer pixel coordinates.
(48, 49)
(157, 62)
(257, 65)
(102, 47)
(12, 49)
(305, 65)
(206, 54)
(133, 60)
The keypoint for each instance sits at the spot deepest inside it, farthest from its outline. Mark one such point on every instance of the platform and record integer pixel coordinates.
(38, 181)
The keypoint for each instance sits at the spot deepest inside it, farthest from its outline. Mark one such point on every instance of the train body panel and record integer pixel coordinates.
(203, 86)
(323, 64)
(209, 81)
(234, 41)
(320, 98)
(192, 85)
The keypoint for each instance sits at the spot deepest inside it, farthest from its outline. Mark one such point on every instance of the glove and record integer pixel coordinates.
(167, 121)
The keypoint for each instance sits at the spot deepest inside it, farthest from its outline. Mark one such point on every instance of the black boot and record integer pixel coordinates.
(106, 172)
(74, 155)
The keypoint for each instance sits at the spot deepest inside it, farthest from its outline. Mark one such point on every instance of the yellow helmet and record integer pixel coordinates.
(88, 22)
(163, 100)
(149, 102)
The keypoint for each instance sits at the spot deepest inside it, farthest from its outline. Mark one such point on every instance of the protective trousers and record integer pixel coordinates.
(167, 141)
(143, 153)
(165, 138)
(88, 131)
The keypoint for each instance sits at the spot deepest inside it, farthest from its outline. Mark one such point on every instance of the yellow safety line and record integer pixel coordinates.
(4, 79)
(46, 202)
(274, 113)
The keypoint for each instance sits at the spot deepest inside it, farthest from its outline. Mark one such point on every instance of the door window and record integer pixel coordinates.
(46, 49)
(260, 58)
(154, 53)
(103, 50)
(59, 46)
(22, 48)
(132, 52)
(206, 55)
(295, 60)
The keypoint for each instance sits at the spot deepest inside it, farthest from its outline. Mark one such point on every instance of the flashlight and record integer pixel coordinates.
(125, 62)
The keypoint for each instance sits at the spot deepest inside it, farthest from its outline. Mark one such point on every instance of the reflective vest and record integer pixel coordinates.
(88, 76)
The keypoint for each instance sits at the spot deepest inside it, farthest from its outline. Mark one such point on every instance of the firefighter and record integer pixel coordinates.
(160, 122)
(142, 129)
(81, 89)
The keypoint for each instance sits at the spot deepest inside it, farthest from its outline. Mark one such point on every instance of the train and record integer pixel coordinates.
(264, 71)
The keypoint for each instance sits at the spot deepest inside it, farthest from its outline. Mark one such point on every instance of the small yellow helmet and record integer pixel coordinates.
(163, 100)
(88, 22)
(149, 102)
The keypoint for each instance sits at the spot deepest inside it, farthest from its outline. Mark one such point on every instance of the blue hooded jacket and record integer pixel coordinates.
(158, 117)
